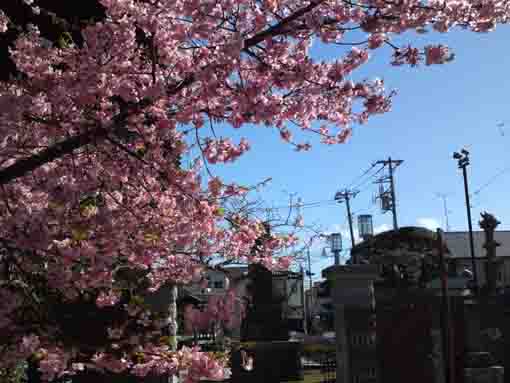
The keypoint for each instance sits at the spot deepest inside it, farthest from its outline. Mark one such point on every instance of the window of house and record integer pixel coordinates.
(218, 284)
(363, 339)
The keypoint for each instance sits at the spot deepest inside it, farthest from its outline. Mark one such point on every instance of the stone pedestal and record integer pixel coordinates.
(480, 368)
(351, 287)
(493, 374)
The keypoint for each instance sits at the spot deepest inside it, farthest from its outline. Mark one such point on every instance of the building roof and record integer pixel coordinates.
(391, 239)
(458, 243)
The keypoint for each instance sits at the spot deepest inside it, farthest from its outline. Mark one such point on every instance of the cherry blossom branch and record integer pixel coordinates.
(27, 165)
(127, 150)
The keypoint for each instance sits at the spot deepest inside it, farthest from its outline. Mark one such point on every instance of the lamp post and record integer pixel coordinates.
(463, 162)
(335, 243)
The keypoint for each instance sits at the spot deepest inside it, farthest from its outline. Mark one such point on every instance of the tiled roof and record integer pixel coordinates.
(458, 243)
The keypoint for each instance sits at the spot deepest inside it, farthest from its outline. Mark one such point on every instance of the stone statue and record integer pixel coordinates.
(488, 223)
(263, 321)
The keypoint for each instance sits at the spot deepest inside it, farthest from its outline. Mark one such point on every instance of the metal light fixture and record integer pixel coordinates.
(365, 226)
(335, 241)
(462, 158)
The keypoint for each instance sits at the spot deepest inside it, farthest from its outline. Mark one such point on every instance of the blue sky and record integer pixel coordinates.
(437, 110)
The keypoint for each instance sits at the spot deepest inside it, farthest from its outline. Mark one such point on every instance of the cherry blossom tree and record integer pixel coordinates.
(102, 102)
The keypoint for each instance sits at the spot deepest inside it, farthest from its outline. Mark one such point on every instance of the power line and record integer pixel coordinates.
(300, 205)
(331, 202)
(361, 176)
(367, 181)
(328, 202)
(324, 204)
(445, 209)
(491, 180)
(367, 209)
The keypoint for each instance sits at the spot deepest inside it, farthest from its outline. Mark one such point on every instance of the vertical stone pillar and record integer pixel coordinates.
(488, 225)
(351, 286)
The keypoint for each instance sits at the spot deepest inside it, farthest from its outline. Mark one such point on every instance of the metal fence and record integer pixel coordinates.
(328, 368)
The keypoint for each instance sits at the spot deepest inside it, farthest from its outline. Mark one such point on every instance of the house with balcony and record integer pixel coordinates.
(287, 285)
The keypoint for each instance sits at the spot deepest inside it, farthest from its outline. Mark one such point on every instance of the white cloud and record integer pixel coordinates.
(381, 228)
(428, 223)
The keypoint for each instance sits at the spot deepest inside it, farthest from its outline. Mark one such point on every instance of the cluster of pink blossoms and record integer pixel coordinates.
(226, 311)
(4, 21)
(221, 151)
(96, 133)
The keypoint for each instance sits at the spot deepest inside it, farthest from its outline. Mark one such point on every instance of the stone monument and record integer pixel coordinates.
(275, 358)
(488, 224)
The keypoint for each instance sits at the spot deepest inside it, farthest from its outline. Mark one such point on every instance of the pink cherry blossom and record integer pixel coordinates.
(436, 54)
(110, 135)
(30, 343)
(376, 40)
(4, 21)
(107, 299)
(53, 363)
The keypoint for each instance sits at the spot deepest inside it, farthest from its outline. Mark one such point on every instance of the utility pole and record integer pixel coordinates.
(309, 268)
(392, 165)
(393, 199)
(445, 208)
(309, 273)
(346, 196)
(463, 162)
(303, 300)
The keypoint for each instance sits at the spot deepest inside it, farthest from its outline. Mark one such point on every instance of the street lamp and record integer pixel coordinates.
(334, 241)
(335, 244)
(463, 162)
